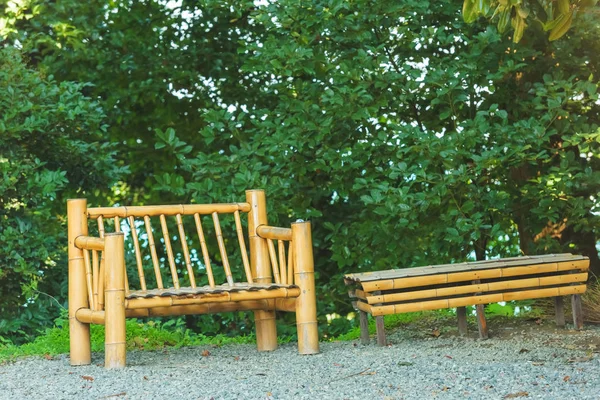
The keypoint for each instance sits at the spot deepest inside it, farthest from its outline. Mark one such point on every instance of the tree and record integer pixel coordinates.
(51, 147)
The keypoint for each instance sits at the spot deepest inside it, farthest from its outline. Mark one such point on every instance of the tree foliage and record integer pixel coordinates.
(406, 135)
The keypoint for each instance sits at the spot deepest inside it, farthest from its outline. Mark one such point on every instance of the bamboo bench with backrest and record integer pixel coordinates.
(469, 284)
(169, 279)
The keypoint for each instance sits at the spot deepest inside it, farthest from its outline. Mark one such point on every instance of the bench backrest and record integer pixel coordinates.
(176, 246)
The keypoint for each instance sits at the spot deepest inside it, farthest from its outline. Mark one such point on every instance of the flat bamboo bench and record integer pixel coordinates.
(169, 276)
(469, 284)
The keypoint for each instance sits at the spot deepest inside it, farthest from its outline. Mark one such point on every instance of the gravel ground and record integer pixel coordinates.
(527, 361)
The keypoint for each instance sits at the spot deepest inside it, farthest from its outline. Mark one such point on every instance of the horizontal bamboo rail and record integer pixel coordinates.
(168, 301)
(482, 287)
(426, 280)
(274, 233)
(377, 311)
(89, 243)
(166, 210)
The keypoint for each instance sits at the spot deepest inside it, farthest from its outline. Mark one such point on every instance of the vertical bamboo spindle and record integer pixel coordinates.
(219, 234)
(211, 279)
(114, 344)
(186, 251)
(274, 264)
(306, 303)
(101, 272)
(152, 245)
(266, 331)
(80, 348)
(165, 231)
(290, 264)
(240, 233)
(88, 277)
(95, 272)
(281, 248)
(138, 253)
(118, 229)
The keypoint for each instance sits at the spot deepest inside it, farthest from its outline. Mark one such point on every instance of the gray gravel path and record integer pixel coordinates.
(549, 364)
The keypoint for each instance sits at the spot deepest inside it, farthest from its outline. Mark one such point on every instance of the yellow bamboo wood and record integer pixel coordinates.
(282, 266)
(273, 257)
(117, 230)
(172, 266)
(221, 243)
(290, 264)
(186, 252)
(167, 210)
(266, 330)
(242, 242)
(117, 224)
(152, 245)
(114, 345)
(426, 280)
(482, 287)
(167, 301)
(89, 243)
(211, 279)
(88, 276)
(306, 304)
(79, 343)
(471, 300)
(138, 253)
(95, 273)
(101, 233)
(274, 233)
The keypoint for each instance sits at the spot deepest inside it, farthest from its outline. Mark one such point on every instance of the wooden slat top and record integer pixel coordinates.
(189, 291)
(460, 267)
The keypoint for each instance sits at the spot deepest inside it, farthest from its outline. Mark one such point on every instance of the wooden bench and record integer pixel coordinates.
(469, 284)
(178, 274)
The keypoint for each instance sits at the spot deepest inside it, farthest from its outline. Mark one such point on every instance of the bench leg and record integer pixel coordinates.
(115, 342)
(559, 311)
(364, 327)
(80, 348)
(461, 314)
(577, 311)
(481, 322)
(304, 277)
(266, 330)
(380, 328)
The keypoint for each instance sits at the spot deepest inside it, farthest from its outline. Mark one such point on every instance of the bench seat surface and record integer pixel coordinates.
(200, 290)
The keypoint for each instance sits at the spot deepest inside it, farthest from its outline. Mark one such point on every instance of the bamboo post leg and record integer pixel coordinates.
(266, 330)
(114, 345)
(80, 348)
(380, 326)
(559, 311)
(304, 277)
(461, 314)
(577, 311)
(481, 322)
(364, 327)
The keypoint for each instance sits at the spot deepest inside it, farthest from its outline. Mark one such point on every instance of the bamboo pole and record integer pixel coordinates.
(101, 273)
(221, 243)
(114, 346)
(273, 257)
(167, 210)
(242, 242)
(95, 273)
(165, 231)
(274, 233)
(138, 253)
(281, 248)
(88, 276)
(475, 288)
(79, 343)
(290, 264)
(470, 300)
(266, 331)
(89, 243)
(186, 252)
(306, 305)
(211, 279)
(152, 245)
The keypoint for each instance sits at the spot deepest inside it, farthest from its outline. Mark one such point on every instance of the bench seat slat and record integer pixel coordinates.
(187, 291)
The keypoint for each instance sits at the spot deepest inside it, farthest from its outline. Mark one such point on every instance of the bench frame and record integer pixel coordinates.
(259, 294)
